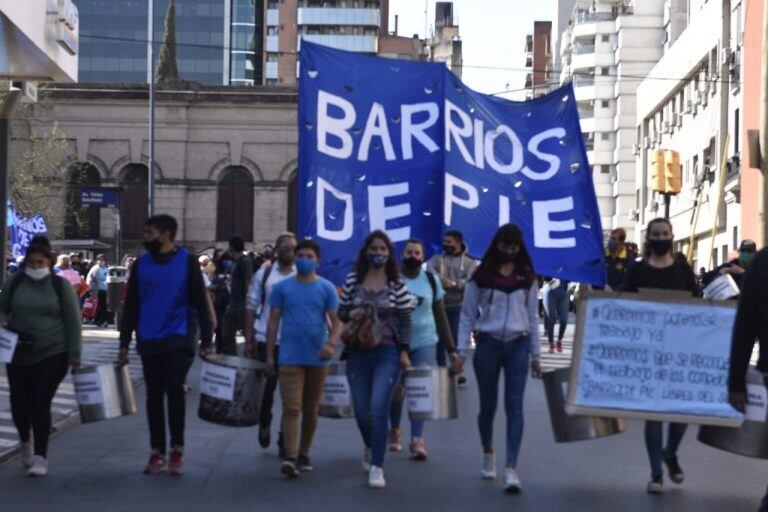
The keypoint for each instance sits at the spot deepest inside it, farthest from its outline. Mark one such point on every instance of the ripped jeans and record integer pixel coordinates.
(373, 375)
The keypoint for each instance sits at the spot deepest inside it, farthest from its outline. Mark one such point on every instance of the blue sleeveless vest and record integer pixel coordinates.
(163, 297)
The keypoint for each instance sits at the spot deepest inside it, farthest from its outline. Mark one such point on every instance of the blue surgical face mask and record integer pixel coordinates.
(305, 266)
(612, 245)
(378, 260)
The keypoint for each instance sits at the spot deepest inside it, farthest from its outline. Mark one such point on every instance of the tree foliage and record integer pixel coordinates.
(167, 68)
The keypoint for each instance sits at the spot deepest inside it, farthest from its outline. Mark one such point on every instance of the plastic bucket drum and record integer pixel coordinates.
(336, 401)
(751, 438)
(231, 390)
(573, 428)
(431, 394)
(103, 392)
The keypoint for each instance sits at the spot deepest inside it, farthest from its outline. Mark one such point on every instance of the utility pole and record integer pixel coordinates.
(761, 226)
(151, 63)
(6, 116)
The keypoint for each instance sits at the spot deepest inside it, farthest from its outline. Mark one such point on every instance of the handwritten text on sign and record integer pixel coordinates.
(218, 381)
(418, 392)
(88, 388)
(656, 357)
(336, 392)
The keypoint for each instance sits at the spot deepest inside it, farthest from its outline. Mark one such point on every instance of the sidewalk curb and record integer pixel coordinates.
(59, 427)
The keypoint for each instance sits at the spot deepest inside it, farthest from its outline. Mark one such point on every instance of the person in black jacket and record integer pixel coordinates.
(736, 267)
(751, 323)
(166, 301)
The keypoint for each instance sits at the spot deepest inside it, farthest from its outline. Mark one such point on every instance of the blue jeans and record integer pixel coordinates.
(491, 356)
(454, 314)
(557, 303)
(654, 442)
(424, 356)
(372, 376)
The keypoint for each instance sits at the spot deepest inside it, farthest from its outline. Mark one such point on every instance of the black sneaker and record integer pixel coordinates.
(265, 437)
(281, 446)
(303, 464)
(462, 379)
(289, 469)
(656, 485)
(675, 471)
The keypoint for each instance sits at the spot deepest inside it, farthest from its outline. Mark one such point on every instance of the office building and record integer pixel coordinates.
(445, 43)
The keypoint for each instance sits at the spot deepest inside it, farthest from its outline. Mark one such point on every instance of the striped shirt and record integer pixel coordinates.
(400, 305)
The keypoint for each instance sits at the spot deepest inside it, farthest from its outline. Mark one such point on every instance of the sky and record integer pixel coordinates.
(493, 35)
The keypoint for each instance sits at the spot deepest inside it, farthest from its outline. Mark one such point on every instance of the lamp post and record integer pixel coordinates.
(151, 73)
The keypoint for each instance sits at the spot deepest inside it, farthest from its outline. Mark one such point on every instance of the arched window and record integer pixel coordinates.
(134, 203)
(234, 211)
(81, 222)
(293, 202)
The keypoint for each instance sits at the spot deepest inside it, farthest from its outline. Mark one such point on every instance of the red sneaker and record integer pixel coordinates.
(559, 346)
(156, 464)
(175, 464)
(551, 348)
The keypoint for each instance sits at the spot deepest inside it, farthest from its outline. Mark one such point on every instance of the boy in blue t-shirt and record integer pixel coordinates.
(302, 304)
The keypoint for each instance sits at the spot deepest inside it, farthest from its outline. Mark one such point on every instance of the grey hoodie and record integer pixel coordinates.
(505, 316)
(458, 268)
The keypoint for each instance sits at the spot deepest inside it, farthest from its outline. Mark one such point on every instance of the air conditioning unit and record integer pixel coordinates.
(688, 107)
(727, 56)
(704, 99)
(678, 120)
(698, 97)
(666, 126)
(646, 142)
(636, 149)
(705, 86)
(634, 214)
(657, 137)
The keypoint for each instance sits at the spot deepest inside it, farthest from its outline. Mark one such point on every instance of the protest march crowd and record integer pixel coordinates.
(394, 311)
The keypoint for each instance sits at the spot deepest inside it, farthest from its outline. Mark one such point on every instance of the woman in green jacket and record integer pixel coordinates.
(43, 310)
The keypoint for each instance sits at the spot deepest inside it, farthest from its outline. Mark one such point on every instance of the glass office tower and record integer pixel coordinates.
(218, 42)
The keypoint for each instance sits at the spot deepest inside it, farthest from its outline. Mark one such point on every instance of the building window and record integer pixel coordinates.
(605, 136)
(605, 38)
(605, 169)
(605, 71)
(735, 236)
(736, 133)
(234, 210)
(134, 203)
(605, 103)
(81, 222)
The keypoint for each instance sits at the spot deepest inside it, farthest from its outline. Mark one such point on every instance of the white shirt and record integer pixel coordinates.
(255, 302)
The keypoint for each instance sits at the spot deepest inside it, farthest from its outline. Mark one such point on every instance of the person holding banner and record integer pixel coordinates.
(661, 269)
(500, 303)
(430, 324)
(166, 301)
(299, 307)
(43, 311)
(376, 305)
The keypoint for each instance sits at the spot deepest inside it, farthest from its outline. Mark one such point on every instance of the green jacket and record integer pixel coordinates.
(37, 311)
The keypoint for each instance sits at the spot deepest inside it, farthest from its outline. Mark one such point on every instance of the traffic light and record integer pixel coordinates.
(672, 172)
(657, 179)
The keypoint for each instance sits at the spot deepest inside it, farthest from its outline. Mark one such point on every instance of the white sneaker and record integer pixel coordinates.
(376, 478)
(489, 466)
(39, 466)
(27, 454)
(512, 481)
(367, 460)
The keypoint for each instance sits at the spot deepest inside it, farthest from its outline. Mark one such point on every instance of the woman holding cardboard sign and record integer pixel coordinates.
(661, 269)
(500, 302)
(42, 308)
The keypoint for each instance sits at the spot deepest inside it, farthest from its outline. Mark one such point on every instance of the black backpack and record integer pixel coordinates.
(220, 289)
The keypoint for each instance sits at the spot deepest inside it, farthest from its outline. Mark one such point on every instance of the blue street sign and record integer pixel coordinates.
(98, 197)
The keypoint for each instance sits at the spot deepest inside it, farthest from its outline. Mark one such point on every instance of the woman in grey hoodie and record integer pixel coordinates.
(500, 303)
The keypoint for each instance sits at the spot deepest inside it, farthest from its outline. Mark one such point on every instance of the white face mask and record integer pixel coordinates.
(37, 274)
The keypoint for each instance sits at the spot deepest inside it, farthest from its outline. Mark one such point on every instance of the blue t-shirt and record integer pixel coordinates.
(422, 318)
(103, 278)
(303, 331)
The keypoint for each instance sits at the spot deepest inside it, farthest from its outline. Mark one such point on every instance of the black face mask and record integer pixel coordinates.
(660, 247)
(412, 263)
(506, 257)
(449, 250)
(153, 246)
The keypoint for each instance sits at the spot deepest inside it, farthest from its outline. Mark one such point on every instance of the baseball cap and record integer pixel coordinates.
(748, 246)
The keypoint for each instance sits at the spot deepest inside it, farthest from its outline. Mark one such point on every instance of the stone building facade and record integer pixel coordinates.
(225, 160)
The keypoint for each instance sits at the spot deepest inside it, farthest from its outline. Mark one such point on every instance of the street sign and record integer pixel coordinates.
(98, 197)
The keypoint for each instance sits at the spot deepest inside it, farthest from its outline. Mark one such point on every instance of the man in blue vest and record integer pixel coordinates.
(166, 300)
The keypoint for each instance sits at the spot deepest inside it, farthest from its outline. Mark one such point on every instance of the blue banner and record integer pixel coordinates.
(24, 230)
(406, 147)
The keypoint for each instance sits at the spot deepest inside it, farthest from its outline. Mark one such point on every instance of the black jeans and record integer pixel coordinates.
(32, 390)
(234, 320)
(265, 416)
(102, 315)
(219, 309)
(164, 375)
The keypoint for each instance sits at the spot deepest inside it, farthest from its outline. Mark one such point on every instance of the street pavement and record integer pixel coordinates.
(97, 467)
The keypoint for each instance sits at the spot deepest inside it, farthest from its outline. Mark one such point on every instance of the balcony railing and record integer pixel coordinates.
(583, 81)
(352, 43)
(583, 49)
(338, 16)
(593, 17)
